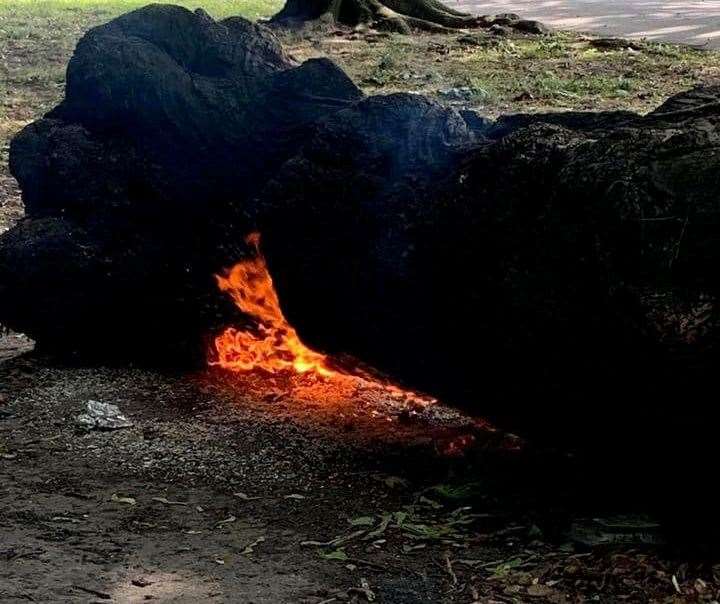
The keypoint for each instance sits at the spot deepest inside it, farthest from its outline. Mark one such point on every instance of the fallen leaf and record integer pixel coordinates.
(338, 554)
(295, 496)
(228, 520)
(502, 569)
(362, 521)
(386, 519)
(333, 542)
(245, 497)
(676, 585)
(250, 548)
(169, 502)
(412, 548)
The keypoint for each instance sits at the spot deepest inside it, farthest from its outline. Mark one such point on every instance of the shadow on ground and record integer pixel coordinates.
(231, 489)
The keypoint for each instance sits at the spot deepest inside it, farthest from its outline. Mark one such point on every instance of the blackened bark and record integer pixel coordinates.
(546, 271)
(146, 172)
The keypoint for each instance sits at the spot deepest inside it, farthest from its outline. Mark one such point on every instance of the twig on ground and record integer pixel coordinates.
(93, 592)
(368, 563)
(334, 542)
(449, 568)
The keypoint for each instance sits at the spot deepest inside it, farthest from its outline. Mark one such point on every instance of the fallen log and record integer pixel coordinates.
(559, 270)
(141, 181)
(544, 271)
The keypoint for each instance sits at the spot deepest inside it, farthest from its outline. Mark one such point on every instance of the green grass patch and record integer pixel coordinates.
(37, 38)
(70, 10)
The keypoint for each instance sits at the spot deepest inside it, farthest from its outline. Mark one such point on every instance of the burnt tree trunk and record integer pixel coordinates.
(141, 180)
(555, 273)
(566, 261)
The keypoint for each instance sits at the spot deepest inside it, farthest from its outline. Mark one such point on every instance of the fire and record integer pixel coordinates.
(275, 346)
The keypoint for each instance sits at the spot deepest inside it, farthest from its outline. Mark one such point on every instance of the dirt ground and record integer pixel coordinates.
(242, 483)
(228, 489)
(241, 489)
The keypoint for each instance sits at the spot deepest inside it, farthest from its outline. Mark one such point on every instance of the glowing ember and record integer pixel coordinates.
(274, 346)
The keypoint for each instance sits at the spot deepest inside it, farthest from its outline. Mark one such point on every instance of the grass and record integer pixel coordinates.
(59, 10)
(499, 75)
(38, 36)
(561, 71)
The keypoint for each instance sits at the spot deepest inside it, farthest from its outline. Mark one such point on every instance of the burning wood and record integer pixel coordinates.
(273, 346)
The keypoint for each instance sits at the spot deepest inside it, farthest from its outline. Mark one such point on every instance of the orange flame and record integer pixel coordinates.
(276, 345)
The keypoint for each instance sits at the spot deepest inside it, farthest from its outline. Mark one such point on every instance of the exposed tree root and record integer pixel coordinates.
(401, 16)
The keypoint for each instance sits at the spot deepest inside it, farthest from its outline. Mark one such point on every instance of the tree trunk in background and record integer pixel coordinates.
(394, 15)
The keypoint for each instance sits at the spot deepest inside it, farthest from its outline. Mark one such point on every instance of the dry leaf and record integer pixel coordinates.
(250, 548)
(227, 520)
(168, 502)
(245, 497)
